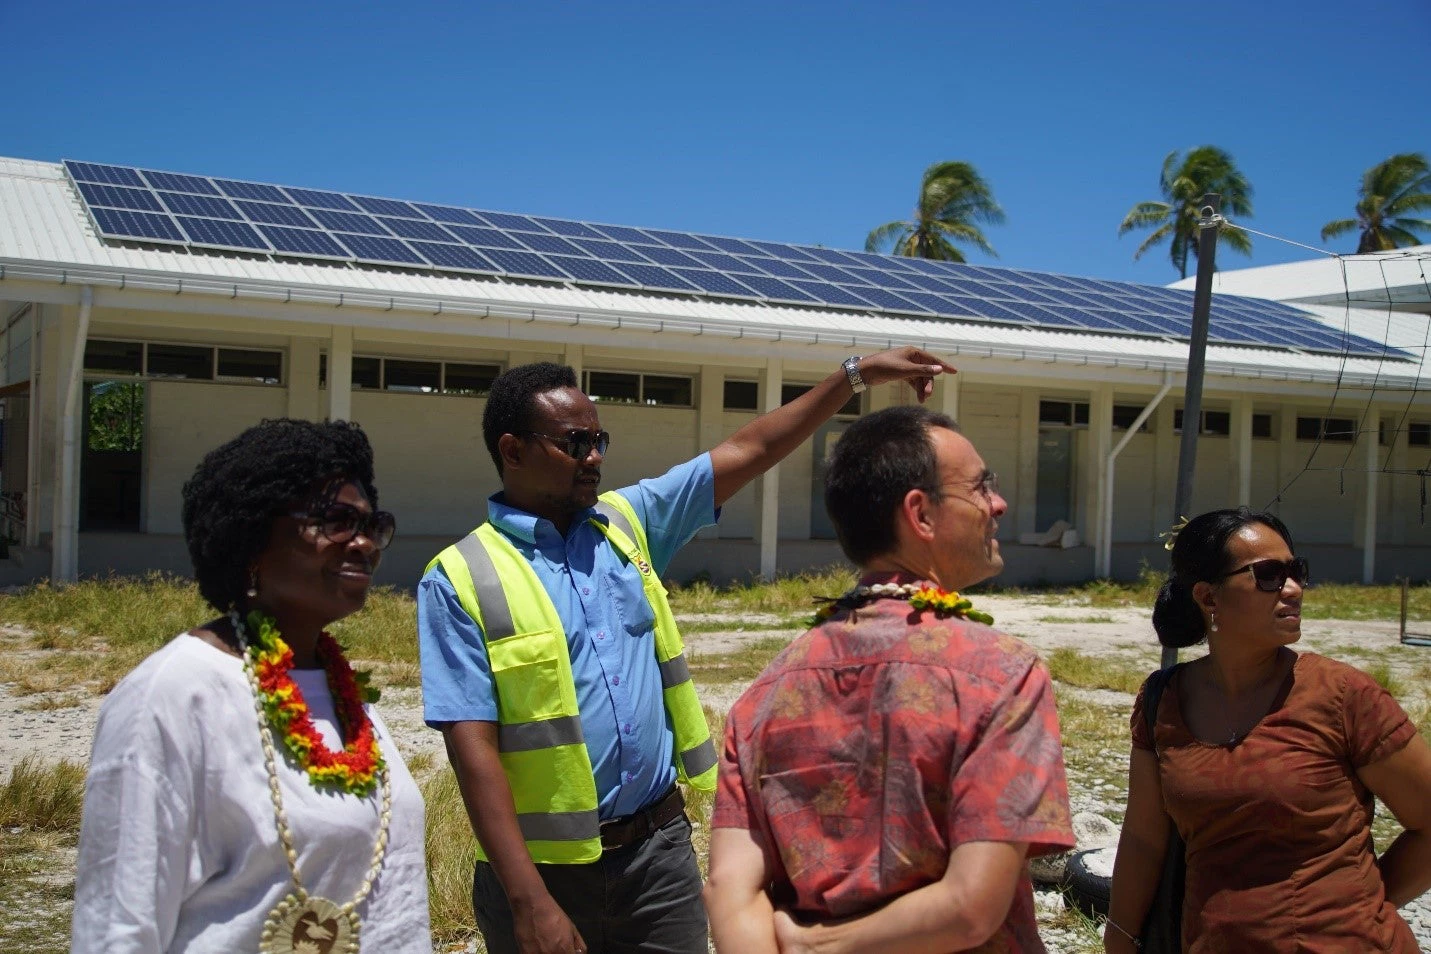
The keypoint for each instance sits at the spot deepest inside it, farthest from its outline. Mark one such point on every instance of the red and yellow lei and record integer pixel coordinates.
(353, 769)
(922, 597)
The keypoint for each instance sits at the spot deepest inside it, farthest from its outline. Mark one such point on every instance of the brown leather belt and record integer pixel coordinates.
(637, 827)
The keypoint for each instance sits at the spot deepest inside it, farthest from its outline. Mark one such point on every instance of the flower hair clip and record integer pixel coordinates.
(1170, 536)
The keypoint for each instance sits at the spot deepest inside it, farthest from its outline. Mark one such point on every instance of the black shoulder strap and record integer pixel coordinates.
(1152, 696)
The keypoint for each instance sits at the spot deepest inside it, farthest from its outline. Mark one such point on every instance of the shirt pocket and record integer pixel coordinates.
(528, 671)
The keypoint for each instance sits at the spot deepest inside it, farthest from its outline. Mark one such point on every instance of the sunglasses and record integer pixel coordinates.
(340, 522)
(577, 444)
(1272, 575)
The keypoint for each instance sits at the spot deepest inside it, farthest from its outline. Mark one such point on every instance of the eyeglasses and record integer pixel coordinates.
(340, 522)
(1272, 575)
(577, 444)
(988, 485)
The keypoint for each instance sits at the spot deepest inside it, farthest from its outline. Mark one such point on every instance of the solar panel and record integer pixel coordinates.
(149, 206)
(309, 242)
(177, 182)
(120, 197)
(128, 224)
(251, 190)
(181, 203)
(218, 233)
(375, 248)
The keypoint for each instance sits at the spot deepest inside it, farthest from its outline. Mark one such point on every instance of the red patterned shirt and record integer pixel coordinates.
(879, 741)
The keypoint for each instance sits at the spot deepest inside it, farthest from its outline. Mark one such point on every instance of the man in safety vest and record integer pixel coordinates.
(552, 665)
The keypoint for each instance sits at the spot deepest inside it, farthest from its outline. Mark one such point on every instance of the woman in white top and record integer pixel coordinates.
(242, 794)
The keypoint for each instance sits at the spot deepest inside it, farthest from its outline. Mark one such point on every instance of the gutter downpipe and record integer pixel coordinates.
(65, 559)
(1105, 537)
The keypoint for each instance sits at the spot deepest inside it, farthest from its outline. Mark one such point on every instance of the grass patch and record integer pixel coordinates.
(43, 796)
(1087, 934)
(1073, 668)
(37, 889)
(1092, 618)
(1358, 601)
(789, 596)
(741, 666)
(1385, 678)
(451, 851)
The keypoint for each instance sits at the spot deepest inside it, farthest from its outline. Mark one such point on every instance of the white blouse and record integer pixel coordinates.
(178, 847)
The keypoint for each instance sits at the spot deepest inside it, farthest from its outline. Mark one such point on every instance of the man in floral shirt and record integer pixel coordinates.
(884, 780)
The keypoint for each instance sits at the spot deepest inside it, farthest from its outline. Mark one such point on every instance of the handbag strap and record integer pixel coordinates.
(1153, 696)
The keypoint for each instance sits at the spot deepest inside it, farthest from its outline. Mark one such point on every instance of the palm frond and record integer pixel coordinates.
(889, 233)
(1338, 227)
(1235, 239)
(1144, 214)
(1157, 238)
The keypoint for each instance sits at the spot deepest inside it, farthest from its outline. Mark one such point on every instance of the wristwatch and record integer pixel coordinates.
(852, 371)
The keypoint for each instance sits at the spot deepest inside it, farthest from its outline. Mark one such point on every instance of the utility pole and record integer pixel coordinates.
(1208, 224)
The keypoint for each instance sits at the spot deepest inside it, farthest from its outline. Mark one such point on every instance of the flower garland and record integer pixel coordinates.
(921, 596)
(354, 769)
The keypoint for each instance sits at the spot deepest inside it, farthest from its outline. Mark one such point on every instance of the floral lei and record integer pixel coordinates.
(353, 769)
(921, 596)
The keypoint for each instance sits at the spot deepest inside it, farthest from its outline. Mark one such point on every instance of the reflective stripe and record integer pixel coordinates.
(615, 517)
(526, 736)
(699, 760)
(496, 612)
(675, 671)
(560, 826)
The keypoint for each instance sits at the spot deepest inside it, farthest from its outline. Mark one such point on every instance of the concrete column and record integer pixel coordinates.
(1240, 458)
(1100, 434)
(768, 526)
(34, 452)
(304, 399)
(340, 374)
(1290, 457)
(1165, 465)
(710, 422)
(1024, 499)
(1371, 448)
(571, 357)
(68, 343)
(946, 394)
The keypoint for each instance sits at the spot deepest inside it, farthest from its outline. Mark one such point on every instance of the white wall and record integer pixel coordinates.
(989, 417)
(184, 420)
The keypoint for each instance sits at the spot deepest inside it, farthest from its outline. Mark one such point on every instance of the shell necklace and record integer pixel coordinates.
(303, 923)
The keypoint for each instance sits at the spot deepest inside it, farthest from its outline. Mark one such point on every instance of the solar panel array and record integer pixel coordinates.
(142, 205)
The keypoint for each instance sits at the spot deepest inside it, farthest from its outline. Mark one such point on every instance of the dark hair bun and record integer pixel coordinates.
(1177, 618)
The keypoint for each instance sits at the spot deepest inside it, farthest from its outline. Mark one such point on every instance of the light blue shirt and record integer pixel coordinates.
(610, 632)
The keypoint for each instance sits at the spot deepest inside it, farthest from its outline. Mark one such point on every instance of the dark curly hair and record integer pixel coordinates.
(1200, 556)
(239, 488)
(879, 459)
(509, 403)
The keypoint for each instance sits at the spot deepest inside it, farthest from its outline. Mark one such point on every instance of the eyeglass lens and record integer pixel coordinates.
(1272, 575)
(578, 444)
(341, 523)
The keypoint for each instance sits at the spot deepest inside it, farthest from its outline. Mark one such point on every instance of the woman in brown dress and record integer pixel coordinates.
(1267, 762)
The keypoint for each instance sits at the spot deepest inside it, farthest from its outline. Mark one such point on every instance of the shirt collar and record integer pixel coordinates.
(528, 527)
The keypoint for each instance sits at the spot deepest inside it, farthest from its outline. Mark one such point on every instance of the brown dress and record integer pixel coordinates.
(1277, 825)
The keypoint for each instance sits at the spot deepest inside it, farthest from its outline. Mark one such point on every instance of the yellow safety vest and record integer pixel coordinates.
(539, 735)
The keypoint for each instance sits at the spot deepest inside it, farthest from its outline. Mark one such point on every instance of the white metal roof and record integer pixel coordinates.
(1400, 278)
(45, 236)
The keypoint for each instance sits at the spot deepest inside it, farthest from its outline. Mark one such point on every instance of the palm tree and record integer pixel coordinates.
(952, 198)
(1390, 191)
(1184, 181)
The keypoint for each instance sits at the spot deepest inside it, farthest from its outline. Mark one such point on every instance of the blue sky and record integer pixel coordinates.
(789, 122)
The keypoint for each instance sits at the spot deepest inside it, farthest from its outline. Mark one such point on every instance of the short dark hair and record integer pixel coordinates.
(239, 488)
(509, 403)
(878, 460)
(1200, 556)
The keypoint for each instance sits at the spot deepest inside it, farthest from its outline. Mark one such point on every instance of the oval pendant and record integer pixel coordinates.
(311, 926)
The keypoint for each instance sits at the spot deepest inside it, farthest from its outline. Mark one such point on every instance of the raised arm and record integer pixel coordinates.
(765, 441)
(961, 910)
(1141, 847)
(541, 925)
(741, 916)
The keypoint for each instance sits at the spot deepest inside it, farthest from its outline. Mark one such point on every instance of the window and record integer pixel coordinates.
(469, 378)
(114, 357)
(1262, 425)
(367, 373)
(262, 367)
(1418, 434)
(1339, 430)
(741, 396)
(1215, 423)
(1125, 414)
(789, 392)
(421, 377)
(1066, 413)
(628, 387)
(180, 361)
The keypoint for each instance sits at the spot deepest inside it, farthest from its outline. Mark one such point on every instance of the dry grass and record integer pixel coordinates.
(740, 666)
(451, 852)
(1073, 668)
(41, 796)
(790, 596)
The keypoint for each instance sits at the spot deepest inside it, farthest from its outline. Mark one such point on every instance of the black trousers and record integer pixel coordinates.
(644, 897)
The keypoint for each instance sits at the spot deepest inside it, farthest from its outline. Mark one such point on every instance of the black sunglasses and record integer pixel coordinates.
(1272, 575)
(340, 522)
(577, 444)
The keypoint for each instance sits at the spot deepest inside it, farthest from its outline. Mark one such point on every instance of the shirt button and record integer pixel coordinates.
(586, 591)
(616, 680)
(628, 728)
